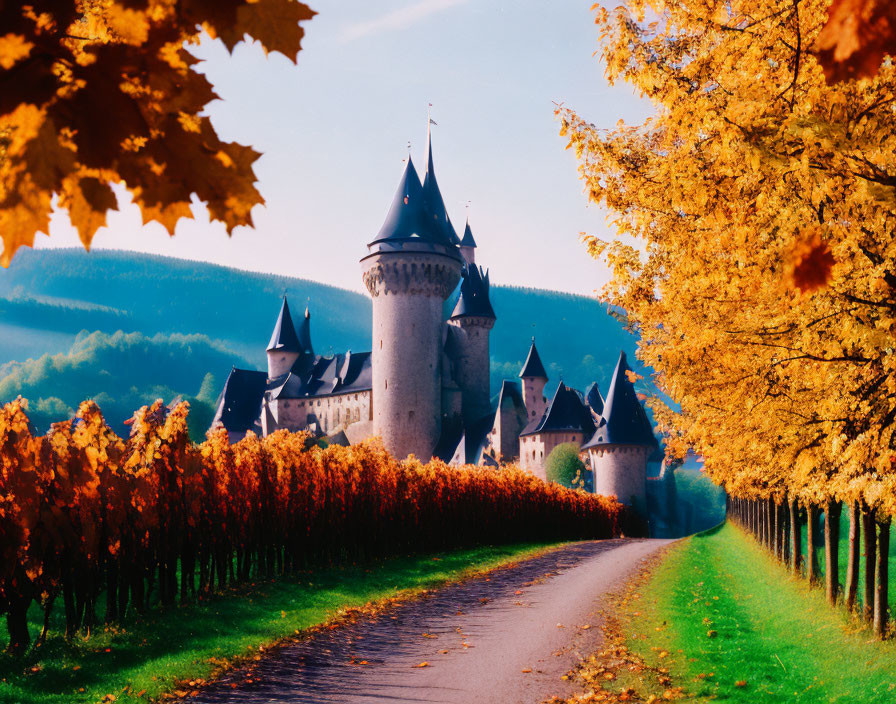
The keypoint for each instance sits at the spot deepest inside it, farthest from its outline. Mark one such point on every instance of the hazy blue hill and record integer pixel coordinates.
(48, 297)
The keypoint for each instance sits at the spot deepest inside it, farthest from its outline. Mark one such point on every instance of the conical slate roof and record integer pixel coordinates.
(468, 240)
(408, 219)
(435, 204)
(284, 338)
(473, 300)
(624, 421)
(533, 368)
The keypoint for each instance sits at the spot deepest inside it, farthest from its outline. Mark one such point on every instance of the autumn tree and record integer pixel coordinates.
(99, 92)
(755, 257)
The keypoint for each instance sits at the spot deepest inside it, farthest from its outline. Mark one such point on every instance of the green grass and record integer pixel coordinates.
(772, 632)
(194, 641)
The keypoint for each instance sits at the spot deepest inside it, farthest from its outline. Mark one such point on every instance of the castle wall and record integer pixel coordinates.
(473, 366)
(535, 449)
(621, 471)
(331, 412)
(408, 289)
(505, 435)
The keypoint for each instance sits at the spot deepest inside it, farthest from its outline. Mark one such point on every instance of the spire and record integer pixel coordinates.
(432, 197)
(533, 368)
(474, 299)
(407, 218)
(468, 240)
(284, 338)
(624, 421)
(304, 333)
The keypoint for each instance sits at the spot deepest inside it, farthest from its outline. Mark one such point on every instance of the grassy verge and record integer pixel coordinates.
(722, 620)
(165, 650)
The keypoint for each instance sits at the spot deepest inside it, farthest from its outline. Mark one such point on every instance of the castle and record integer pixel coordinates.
(424, 389)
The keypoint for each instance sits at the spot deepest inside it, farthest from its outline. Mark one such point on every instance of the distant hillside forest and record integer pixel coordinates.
(126, 328)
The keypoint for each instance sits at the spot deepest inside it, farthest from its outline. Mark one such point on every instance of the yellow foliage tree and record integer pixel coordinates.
(756, 258)
(94, 92)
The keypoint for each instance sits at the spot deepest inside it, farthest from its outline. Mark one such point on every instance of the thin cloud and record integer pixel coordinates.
(399, 19)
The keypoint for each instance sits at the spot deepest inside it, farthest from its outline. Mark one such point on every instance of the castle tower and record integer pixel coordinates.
(474, 315)
(411, 268)
(534, 379)
(468, 245)
(622, 443)
(284, 347)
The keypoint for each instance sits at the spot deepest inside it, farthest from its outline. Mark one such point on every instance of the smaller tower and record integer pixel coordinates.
(468, 245)
(534, 380)
(475, 316)
(284, 347)
(622, 443)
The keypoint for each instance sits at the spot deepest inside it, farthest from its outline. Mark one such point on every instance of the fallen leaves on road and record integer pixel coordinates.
(526, 669)
(422, 664)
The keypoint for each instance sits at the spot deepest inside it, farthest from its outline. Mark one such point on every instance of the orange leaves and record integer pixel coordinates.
(855, 39)
(97, 92)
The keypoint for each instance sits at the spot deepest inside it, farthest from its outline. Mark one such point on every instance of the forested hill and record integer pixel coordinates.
(193, 318)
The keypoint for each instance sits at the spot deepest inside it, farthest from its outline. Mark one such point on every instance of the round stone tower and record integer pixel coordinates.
(622, 443)
(412, 267)
(475, 316)
(534, 379)
(286, 344)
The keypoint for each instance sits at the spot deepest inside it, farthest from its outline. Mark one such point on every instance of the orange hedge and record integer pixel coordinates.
(83, 512)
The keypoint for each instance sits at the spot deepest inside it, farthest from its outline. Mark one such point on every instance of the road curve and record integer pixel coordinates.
(505, 637)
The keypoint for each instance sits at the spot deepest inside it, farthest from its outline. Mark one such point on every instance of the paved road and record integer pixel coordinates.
(506, 637)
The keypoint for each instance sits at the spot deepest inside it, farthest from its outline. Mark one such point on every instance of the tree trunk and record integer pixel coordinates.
(775, 525)
(17, 624)
(869, 539)
(881, 605)
(832, 550)
(796, 537)
(852, 564)
(811, 543)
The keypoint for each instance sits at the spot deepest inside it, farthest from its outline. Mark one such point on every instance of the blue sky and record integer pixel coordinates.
(334, 131)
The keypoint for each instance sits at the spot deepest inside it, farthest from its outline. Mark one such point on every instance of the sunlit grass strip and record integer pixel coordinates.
(730, 624)
(171, 647)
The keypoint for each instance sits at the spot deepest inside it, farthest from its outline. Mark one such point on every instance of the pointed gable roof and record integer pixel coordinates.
(594, 400)
(533, 368)
(304, 333)
(435, 204)
(624, 421)
(408, 218)
(473, 300)
(565, 412)
(468, 240)
(284, 338)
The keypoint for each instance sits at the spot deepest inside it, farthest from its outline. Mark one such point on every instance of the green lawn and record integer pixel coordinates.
(731, 624)
(193, 641)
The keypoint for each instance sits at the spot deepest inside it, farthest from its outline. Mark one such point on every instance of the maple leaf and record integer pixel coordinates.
(94, 92)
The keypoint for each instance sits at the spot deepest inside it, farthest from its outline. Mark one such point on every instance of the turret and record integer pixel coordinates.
(412, 266)
(284, 348)
(468, 245)
(534, 380)
(622, 443)
(474, 315)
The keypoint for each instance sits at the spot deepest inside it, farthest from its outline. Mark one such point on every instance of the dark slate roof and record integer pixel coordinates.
(510, 397)
(435, 204)
(452, 434)
(409, 220)
(566, 412)
(239, 405)
(284, 338)
(322, 376)
(468, 240)
(594, 400)
(533, 366)
(470, 437)
(474, 300)
(624, 421)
